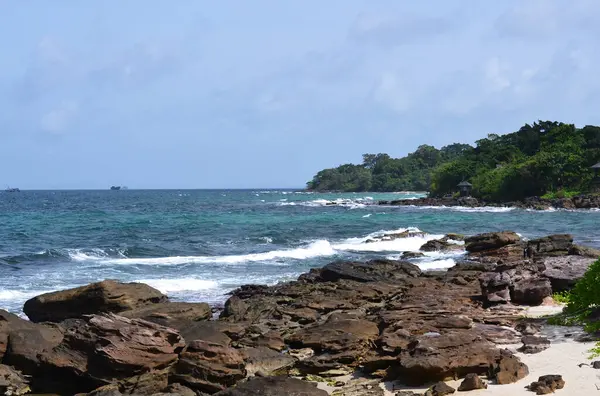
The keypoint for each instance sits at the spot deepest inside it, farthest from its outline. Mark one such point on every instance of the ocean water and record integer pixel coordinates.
(197, 245)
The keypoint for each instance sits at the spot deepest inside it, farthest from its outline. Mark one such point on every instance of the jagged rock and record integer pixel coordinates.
(565, 271)
(274, 386)
(527, 328)
(106, 296)
(209, 367)
(438, 245)
(266, 361)
(440, 389)
(101, 349)
(176, 315)
(577, 250)
(500, 335)
(508, 369)
(454, 322)
(492, 240)
(534, 344)
(495, 287)
(411, 255)
(552, 244)
(151, 382)
(374, 270)
(360, 387)
(531, 291)
(12, 382)
(471, 382)
(547, 384)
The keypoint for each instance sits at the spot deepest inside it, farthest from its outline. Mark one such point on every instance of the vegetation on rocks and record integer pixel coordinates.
(545, 158)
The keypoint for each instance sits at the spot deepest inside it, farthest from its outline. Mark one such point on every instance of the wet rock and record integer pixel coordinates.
(577, 250)
(374, 270)
(492, 240)
(454, 237)
(266, 361)
(471, 382)
(100, 349)
(531, 291)
(176, 315)
(565, 271)
(440, 389)
(274, 386)
(12, 382)
(106, 296)
(438, 245)
(558, 244)
(209, 367)
(508, 369)
(534, 344)
(411, 255)
(547, 384)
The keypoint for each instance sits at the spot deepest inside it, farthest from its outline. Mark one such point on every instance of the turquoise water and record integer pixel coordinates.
(198, 245)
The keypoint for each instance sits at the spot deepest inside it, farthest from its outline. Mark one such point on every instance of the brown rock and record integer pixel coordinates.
(492, 240)
(266, 360)
(531, 291)
(106, 296)
(440, 389)
(508, 369)
(274, 386)
(12, 382)
(176, 315)
(547, 384)
(454, 322)
(495, 287)
(565, 271)
(584, 251)
(552, 244)
(471, 382)
(437, 245)
(209, 367)
(360, 387)
(534, 344)
(374, 270)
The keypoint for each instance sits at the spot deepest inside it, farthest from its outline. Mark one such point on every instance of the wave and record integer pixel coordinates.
(354, 203)
(482, 209)
(174, 285)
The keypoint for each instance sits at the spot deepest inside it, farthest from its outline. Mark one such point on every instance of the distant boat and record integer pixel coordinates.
(12, 189)
(115, 188)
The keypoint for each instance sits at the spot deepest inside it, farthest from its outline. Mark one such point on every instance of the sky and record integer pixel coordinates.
(265, 93)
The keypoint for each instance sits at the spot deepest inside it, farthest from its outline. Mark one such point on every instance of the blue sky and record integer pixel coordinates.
(241, 94)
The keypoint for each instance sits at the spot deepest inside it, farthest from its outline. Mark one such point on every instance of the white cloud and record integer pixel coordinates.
(57, 121)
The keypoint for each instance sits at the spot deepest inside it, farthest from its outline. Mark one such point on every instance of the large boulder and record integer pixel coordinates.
(531, 291)
(101, 349)
(274, 386)
(578, 250)
(565, 271)
(263, 361)
(208, 367)
(374, 270)
(558, 244)
(176, 315)
(491, 240)
(547, 384)
(508, 369)
(440, 245)
(100, 297)
(495, 287)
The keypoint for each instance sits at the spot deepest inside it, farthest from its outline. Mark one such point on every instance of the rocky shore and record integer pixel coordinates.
(350, 328)
(534, 203)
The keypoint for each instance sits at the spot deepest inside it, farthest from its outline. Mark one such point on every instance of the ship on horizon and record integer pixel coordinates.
(12, 189)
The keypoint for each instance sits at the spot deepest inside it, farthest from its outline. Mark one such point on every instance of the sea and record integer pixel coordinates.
(199, 245)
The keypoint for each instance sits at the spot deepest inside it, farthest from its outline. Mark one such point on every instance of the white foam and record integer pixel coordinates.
(396, 245)
(18, 295)
(367, 215)
(483, 209)
(167, 286)
(436, 265)
(344, 202)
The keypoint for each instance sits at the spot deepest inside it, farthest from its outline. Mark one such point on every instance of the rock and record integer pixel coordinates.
(471, 382)
(565, 271)
(437, 245)
(266, 360)
(596, 365)
(99, 349)
(495, 287)
(527, 328)
(407, 393)
(106, 296)
(508, 369)
(552, 244)
(147, 383)
(547, 384)
(440, 389)
(534, 344)
(360, 387)
(374, 270)
(411, 255)
(454, 322)
(208, 367)
(12, 382)
(577, 250)
(454, 237)
(492, 240)
(177, 390)
(531, 291)
(176, 315)
(274, 386)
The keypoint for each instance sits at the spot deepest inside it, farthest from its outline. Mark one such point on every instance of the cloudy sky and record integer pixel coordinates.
(264, 93)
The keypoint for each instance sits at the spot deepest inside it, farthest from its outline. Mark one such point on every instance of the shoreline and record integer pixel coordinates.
(384, 320)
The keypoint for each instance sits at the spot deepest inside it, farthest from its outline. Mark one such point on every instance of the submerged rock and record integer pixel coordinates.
(105, 296)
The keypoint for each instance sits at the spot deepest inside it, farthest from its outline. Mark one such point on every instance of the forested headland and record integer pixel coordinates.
(546, 158)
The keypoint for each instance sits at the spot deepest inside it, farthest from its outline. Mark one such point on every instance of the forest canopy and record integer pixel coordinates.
(544, 158)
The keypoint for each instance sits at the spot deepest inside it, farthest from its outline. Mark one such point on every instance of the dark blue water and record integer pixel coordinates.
(197, 245)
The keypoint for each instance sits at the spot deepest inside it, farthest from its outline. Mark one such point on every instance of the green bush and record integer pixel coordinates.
(562, 297)
(560, 194)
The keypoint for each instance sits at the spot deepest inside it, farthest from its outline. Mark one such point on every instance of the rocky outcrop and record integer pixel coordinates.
(471, 382)
(490, 241)
(106, 296)
(176, 315)
(375, 270)
(534, 344)
(440, 389)
(508, 369)
(12, 382)
(274, 386)
(563, 272)
(439, 245)
(547, 384)
(530, 291)
(558, 244)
